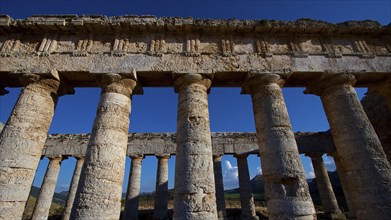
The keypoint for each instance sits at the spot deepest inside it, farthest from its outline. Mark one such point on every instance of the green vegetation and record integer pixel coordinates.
(55, 210)
(232, 197)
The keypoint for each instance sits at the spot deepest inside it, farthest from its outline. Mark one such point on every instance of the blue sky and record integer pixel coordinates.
(156, 110)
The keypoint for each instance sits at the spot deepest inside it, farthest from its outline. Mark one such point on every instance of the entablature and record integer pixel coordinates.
(165, 143)
(81, 47)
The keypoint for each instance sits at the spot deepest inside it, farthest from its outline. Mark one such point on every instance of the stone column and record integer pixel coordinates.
(367, 170)
(377, 106)
(219, 187)
(161, 196)
(194, 179)
(345, 186)
(245, 190)
(73, 188)
(100, 187)
(22, 140)
(45, 196)
(326, 192)
(133, 192)
(286, 188)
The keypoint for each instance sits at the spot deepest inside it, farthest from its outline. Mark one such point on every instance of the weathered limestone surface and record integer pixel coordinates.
(345, 186)
(165, 143)
(164, 46)
(161, 200)
(219, 187)
(156, 47)
(377, 106)
(194, 193)
(45, 197)
(368, 172)
(231, 70)
(327, 196)
(100, 186)
(73, 188)
(83, 48)
(246, 195)
(286, 188)
(22, 141)
(133, 192)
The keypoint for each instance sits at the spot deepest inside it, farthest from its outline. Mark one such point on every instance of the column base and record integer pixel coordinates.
(222, 217)
(337, 216)
(164, 218)
(350, 215)
(333, 216)
(249, 217)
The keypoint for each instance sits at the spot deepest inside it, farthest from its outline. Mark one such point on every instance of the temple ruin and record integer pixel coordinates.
(50, 55)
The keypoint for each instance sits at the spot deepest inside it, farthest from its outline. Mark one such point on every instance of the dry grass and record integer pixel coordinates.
(55, 208)
(146, 207)
(229, 204)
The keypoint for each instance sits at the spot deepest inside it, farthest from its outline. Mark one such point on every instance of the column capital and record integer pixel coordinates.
(163, 156)
(315, 155)
(78, 158)
(257, 79)
(28, 78)
(331, 79)
(182, 80)
(58, 157)
(65, 157)
(136, 156)
(117, 83)
(52, 81)
(217, 156)
(241, 156)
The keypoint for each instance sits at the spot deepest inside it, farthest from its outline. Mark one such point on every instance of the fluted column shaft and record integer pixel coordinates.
(45, 196)
(378, 100)
(245, 190)
(327, 196)
(286, 188)
(345, 185)
(22, 140)
(100, 186)
(194, 178)
(73, 189)
(133, 192)
(161, 196)
(368, 172)
(219, 187)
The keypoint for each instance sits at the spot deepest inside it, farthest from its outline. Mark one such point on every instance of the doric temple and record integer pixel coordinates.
(49, 56)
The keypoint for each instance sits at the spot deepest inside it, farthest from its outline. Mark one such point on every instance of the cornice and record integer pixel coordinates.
(148, 23)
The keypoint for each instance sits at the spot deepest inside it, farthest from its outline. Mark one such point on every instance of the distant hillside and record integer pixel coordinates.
(337, 187)
(257, 184)
(59, 198)
(259, 189)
